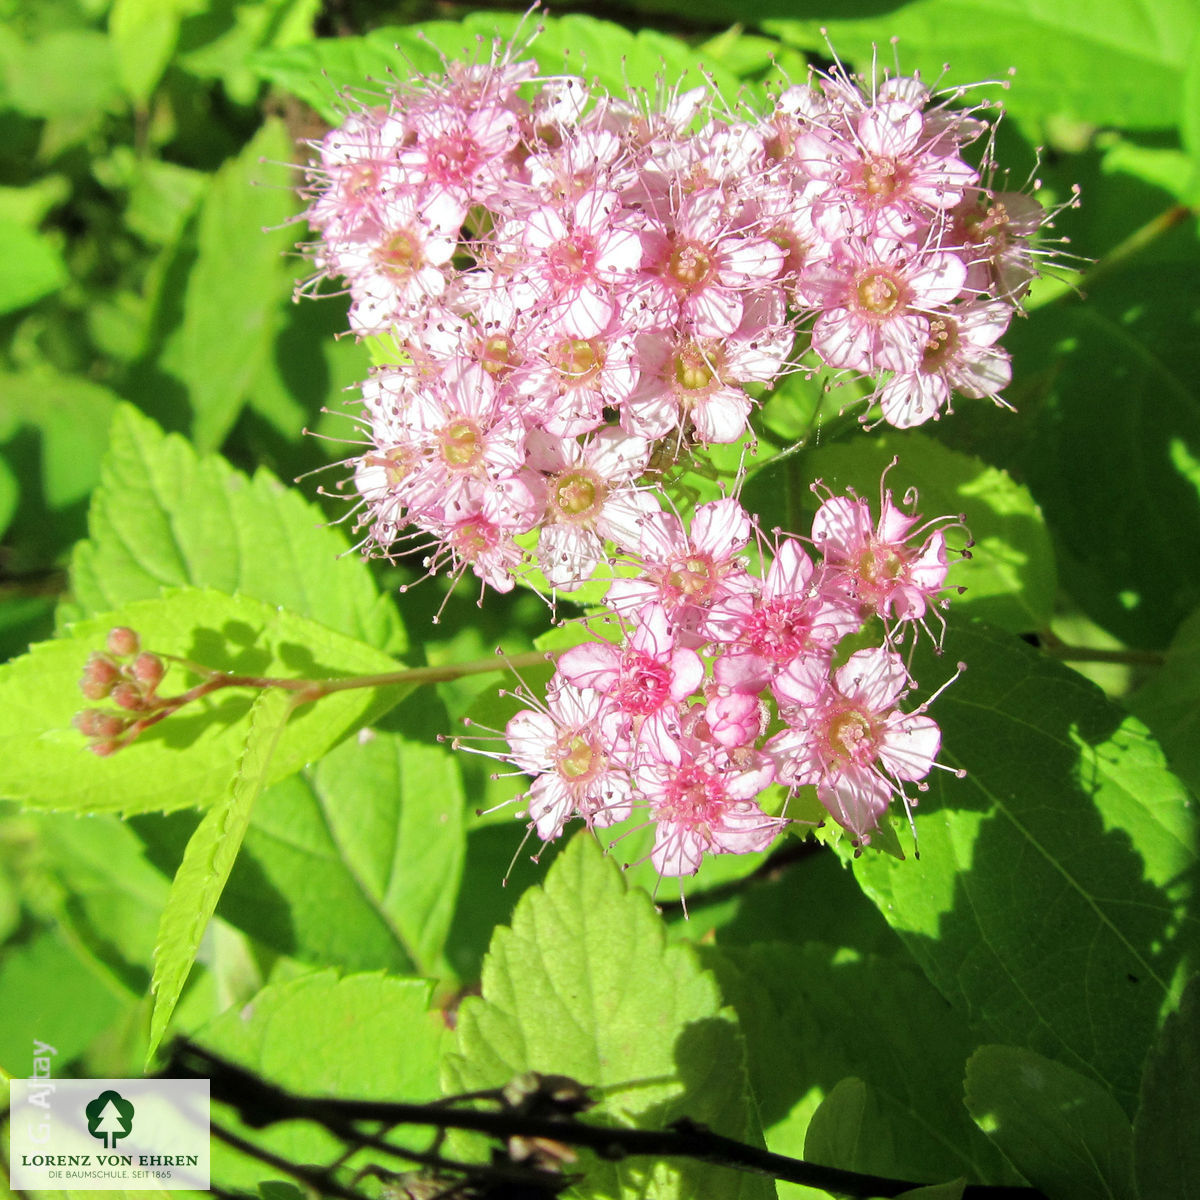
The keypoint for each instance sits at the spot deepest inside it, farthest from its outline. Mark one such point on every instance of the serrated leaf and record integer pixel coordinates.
(231, 308)
(164, 516)
(1064, 1133)
(208, 860)
(322, 72)
(363, 1037)
(1050, 901)
(1059, 51)
(1166, 1153)
(188, 759)
(582, 984)
(355, 862)
(1010, 578)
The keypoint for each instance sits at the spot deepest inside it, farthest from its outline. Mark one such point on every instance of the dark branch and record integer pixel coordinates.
(260, 1104)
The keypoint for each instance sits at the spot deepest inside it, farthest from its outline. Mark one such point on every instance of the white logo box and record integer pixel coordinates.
(161, 1143)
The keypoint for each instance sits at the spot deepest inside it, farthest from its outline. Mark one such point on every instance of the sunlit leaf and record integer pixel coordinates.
(208, 860)
(559, 996)
(189, 759)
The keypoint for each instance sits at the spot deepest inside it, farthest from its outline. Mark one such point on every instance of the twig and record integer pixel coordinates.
(260, 1104)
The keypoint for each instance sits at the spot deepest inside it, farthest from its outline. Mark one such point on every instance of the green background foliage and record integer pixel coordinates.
(1012, 1005)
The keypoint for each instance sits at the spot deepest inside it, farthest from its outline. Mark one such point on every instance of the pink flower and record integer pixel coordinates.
(645, 679)
(882, 566)
(566, 746)
(458, 150)
(877, 296)
(577, 255)
(735, 720)
(686, 573)
(793, 615)
(887, 174)
(479, 529)
(701, 270)
(999, 227)
(848, 738)
(702, 801)
(960, 354)
(590, 497)
(693, 383)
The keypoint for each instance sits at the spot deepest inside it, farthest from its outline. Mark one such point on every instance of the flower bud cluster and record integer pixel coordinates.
(726, 682)
(582, 286)
(128, 677)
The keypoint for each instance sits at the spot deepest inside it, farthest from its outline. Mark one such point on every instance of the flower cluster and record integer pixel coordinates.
(128, 677)
(725, 682)
(583, 286)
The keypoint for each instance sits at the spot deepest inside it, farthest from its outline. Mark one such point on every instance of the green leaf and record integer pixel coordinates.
(9, 495)
(164, 517)
(1166, 1153)
(319, 72)
(67, 418)
(162, 198)
(1108, 392)
(33, 268)
(208, 860)
(1190, 129)
(189, 759)
(1010, 576)
(1050, 901)
(356, 861)
(1059, 51)
(582, 984)
(952, 1190)
(48, 992)
(240, 280)
(30, 205)
(108, 898)
(213, 45)
(1169, 702)
(844, 1133)
(814, 1015)
(1063, 1132)
(143, 35)
(68, 73)
(323, 71)
(362, 1037)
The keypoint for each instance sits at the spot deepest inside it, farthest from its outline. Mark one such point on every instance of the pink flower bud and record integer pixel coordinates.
(734, 720)
(123, 641)
(148, 670)
(96, 723)
(129, 696)
(99, 676)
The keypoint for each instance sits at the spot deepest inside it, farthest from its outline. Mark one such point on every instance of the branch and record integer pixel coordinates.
(260, 1104)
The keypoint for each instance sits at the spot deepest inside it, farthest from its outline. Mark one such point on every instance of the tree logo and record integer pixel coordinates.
(109, 1117)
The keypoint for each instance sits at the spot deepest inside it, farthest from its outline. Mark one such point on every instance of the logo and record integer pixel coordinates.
(109, 1117)
(123, 1135)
